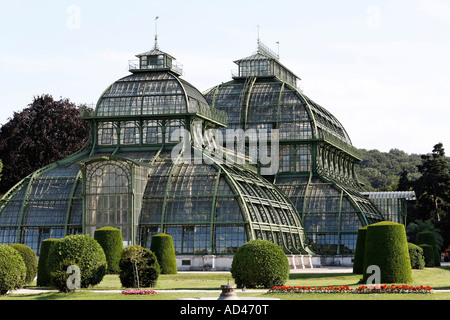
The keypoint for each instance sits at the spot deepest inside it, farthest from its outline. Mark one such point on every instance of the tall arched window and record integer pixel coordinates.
(109, 197)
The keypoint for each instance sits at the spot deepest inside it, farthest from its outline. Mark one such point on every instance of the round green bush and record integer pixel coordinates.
(358, 262)
(111, 241)
(43, 276)
(260, 263)
(386, 247)
(428, 253)
(428, 237)
(162, 247)
(30, 259)
(138, 267)
(12, 269)
(58, 278)
(416, 256)
(85, 252)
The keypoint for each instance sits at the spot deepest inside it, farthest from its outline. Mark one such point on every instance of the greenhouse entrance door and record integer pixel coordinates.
(109, 198)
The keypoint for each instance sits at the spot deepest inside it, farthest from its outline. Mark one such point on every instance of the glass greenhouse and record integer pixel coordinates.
(128, 177)
(316, 156)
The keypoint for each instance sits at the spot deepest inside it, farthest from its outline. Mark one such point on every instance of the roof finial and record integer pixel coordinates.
(257, 26)
(156, 33)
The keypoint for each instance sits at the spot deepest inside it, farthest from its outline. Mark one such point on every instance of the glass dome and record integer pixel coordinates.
(316, 157)
(128, 178)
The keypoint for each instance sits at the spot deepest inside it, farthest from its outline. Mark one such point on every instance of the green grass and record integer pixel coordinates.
(438, 278)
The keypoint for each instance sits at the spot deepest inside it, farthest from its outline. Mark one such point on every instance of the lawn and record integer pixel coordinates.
(185, 285)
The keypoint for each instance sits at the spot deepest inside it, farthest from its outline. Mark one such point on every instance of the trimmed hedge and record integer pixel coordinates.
(428, 253)
(358, 262)
(43, 276)
(12, 269)
(162, 247)
(30, 259)
(112, 243)
(85, 252)
(147, 265)
(416, 256)
(428, 237)
(386, 247)
(260, 263)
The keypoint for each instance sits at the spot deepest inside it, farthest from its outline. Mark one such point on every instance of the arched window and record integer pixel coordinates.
(109, 197)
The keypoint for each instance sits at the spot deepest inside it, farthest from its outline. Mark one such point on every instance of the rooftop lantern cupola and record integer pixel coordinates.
(265, 63)
(156, 60)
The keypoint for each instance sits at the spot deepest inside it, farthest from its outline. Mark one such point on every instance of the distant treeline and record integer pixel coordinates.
(381, 171)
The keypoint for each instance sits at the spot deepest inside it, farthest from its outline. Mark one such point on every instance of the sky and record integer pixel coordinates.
(382, 68)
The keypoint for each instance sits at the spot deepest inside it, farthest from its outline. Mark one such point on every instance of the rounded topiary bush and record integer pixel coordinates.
(428, 253)
(43, 276)
(358, 262)
(12, 269)
(30, 259)
(138, 267)
(260, 263)
(111, 241)
(416, 256)
(59, 278)
(85, 252)
(428, 237)
(387, 248)
(162, 247)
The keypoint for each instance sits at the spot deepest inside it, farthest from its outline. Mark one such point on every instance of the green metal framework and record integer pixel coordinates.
(393, 205)
(126, 177)
(316, 158)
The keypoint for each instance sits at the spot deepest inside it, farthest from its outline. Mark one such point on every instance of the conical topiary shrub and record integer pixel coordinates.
(387, 248)
(416, 256)
(162, 247)
(43, 275)
(358, 261)
(110, 239)
(428, 254)
(428, 237)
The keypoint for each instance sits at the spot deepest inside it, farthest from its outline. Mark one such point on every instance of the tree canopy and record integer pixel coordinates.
(381, 171)
(433, 186)
(46, 131)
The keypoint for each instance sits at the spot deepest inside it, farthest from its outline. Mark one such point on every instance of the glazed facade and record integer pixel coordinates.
(316, 157)
(134, 176)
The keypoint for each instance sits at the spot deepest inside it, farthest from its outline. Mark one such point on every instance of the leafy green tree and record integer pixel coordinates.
(433, 187)
(404, 182)
(46, 131)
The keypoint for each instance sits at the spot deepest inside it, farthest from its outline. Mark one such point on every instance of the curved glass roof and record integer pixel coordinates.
(153, 94)
(316, 156)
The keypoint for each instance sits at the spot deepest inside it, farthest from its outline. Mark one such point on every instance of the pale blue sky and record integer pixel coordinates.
(381, 67)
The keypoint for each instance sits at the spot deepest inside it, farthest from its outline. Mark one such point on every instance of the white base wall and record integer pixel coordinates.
(223, 263)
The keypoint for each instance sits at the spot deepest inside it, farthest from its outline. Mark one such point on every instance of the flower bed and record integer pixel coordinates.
(139, 292)
(359, 290)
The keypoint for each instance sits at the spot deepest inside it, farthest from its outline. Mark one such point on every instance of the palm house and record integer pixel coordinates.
(316, 156)
(135, 173)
